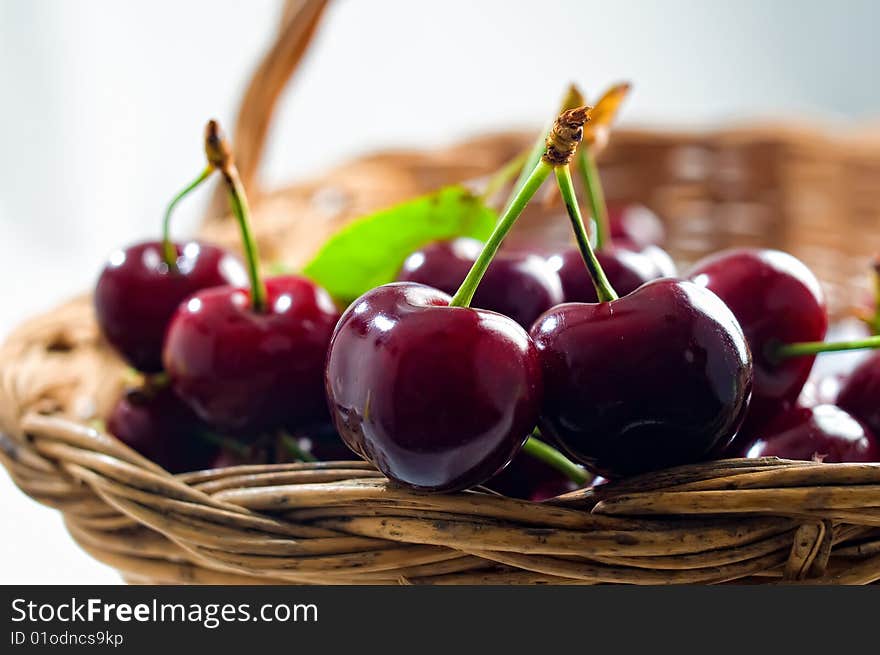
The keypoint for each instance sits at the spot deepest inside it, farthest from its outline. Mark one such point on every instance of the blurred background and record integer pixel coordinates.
(104, 102)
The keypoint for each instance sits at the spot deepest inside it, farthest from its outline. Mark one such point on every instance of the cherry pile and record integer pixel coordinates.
(481, 366)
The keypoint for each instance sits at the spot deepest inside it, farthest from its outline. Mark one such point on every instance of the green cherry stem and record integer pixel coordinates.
(224, 443)
(786, 350)
(465, 293)
(169, 250)
(573, 98)
(552, 457)
(874, 321)
(220, 156)
(586, 160)
(604, 291)
(503, 175)
(561, 142)
(291, 445)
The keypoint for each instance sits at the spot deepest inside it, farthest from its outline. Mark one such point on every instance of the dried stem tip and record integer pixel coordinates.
(217, 148)
(567, 132)
(573, 98)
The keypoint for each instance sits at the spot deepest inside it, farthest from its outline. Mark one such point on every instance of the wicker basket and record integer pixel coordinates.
(761, 520)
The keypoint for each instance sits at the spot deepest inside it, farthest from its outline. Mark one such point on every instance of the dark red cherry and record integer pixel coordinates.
(518, 284)
(243, 370)
(860, 394)
(322, 442)
(654, 379)
(776, 299)
(529, 478)
(823, 432)
(626, 271)
(155, 423)
(438, 398)
(664, 266)
(137, 294)
(635, 225)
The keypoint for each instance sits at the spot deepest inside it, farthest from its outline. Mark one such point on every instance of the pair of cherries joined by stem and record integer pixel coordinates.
(141, 287)
(233, 359)
(440, 396)
(250, 359)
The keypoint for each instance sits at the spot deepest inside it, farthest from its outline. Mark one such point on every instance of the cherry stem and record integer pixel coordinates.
(169, 250)
(503, 175)
(465, 293)
(224, 443)
(293, 448)
(595, 195)
(604, 291)
(874, 321)
(785, 350)
(552, 457)
(572, 99)
(220, 156)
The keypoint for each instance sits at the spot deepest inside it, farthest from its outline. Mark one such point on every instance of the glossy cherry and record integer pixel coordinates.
(322, 442)
(530, 479)
(437, 397)
(823, 432)
(777, 300)
(626, 271)
(860, 394)
(246, 370)
(517, 284)
(635, 226)
(155, 423)
(657, 378)
(137, 293)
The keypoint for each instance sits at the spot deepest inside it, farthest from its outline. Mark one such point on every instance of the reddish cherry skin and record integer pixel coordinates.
(776, 299)
(860, 394)
(657, 378)
(626, 271)
(822, 431)
(636, 225)
(529, 478)
(438, 398)
(160, 427)
(246, 371)
(137, 295)
(517, 284)
(322, 442)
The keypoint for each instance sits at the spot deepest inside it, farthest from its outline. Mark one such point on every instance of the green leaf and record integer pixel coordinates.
(370, 250)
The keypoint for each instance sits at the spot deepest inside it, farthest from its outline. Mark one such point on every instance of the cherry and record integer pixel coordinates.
(860, 394)
(517, 284)
(531, 479)
(821, 390)
(626, 271)
(155, 423)
(241, 369)
(252, 359)
(137, 294)
(439, 398)
(823, 432)
(777, 300)
(657, 378)
(322, 442)
(635, 226)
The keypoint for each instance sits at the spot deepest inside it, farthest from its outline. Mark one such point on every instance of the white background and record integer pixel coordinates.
(102, 104)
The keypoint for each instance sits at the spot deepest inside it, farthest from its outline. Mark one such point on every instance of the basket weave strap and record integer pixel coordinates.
(299, 21)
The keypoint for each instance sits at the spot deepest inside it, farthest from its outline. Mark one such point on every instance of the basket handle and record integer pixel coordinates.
(299, 21)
